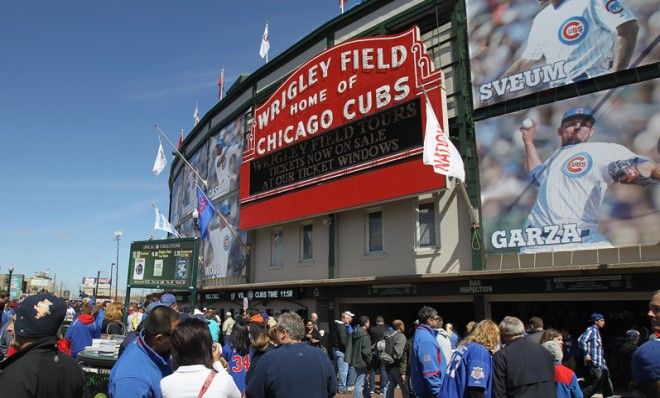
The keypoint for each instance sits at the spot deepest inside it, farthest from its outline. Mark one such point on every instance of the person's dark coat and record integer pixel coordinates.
(523, 369)
(358, 351)
(341, 338)
(41, 371)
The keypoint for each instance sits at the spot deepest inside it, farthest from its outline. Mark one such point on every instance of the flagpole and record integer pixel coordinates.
(222, 82)
(159, 131)
(472, 212)
(231, 228)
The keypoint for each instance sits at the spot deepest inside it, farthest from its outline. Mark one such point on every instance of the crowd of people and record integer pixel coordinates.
(169, 353)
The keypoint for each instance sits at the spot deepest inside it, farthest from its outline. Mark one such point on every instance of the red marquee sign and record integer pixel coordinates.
(354, 107)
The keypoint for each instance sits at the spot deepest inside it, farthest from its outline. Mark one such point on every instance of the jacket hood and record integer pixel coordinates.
(389, 333)
(86, 319)
(443, 332)
(358, 332)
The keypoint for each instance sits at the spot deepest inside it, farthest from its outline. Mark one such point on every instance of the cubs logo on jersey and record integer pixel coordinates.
(573, 30)
(577, 165)
(614, 6)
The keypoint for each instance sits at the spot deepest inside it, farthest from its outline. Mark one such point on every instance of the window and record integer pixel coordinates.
(277, 248)
(426, 225)
(306, 238)
(375, 232)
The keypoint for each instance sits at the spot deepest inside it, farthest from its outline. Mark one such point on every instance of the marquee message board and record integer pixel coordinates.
(352, 109)
(168, 263)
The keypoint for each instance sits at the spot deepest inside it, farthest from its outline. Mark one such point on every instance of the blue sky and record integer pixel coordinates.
(82, 84)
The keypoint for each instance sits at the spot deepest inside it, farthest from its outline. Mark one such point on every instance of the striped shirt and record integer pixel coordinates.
(591, 344)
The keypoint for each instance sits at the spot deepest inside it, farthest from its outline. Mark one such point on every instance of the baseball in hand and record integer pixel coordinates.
(527, 123)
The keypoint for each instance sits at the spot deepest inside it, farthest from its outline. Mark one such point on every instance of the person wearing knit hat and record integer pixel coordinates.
(565, 379)
(645, 364)
(38, 369)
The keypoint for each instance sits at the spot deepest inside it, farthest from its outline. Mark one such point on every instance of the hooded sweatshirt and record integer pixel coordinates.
(358, 349)
(81, 333)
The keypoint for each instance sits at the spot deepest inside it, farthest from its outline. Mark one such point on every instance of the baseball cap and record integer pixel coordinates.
(227, 313)
(596, 316)
(201, 318)
(632, 334)
(349, 313)
(168, 299)
(39, 315)
(155, 304)
(224, 209)
(220, 141)
(257, 319)
(570, 112)
(91, 301)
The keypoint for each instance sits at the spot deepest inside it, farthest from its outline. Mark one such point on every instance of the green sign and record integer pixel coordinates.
(168, 263)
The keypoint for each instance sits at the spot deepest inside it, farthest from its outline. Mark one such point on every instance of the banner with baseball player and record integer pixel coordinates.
(223, 254)
(522, 46)
(188, 193)
(576, 174)
(225, 156)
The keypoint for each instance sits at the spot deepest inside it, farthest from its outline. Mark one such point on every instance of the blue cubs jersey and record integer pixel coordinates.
(470, 366)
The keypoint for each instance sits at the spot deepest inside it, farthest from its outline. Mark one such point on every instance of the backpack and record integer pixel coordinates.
(387, 354)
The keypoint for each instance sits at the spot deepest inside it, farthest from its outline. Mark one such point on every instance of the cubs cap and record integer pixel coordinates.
(39, 315)
(570, 112)
(168, 299)
(596, 317)
(220, 141)
(155, 304)
(224, 209)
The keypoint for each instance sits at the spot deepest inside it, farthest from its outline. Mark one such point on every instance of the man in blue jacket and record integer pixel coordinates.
(147, 359)
(427, 364)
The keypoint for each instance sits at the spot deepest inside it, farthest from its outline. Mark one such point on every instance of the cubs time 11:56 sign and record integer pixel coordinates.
(353, 108)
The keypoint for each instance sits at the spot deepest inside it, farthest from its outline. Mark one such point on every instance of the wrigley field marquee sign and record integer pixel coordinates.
(353, 107)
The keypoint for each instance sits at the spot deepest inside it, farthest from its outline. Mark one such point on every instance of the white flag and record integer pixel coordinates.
(439, 151)
(265, 44)
(162, 223)
(196, 117)
(161, 160)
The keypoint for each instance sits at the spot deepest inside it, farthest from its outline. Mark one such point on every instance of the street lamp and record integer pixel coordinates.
(112, 267)
(118, 235)
(195, 216)
(11, 271)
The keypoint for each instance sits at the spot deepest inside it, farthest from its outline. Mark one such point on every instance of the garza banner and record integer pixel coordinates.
(517, 48)
(573, 175)
(350, 108)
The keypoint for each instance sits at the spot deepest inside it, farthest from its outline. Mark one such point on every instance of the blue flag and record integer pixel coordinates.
(205, 210)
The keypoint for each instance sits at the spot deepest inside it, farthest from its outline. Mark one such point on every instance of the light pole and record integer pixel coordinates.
(118, 235)
(11, 271)
(112, 266)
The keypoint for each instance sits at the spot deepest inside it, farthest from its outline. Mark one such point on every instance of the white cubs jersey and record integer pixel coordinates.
(572, 184)
(222, 171)
(582, 33)
(220, 240)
